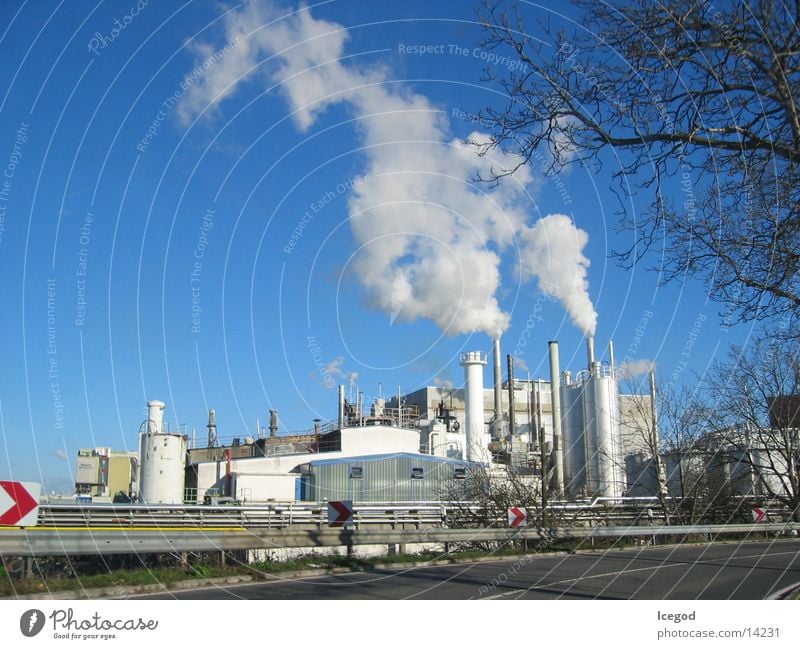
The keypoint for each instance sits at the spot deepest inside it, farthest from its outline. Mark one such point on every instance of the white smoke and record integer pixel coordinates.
(430, 240)
(553, 253)
(632, 369)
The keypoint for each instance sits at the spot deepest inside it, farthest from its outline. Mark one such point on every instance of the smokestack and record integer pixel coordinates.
(512, 427)
(590, 352)
(273, 423)
(660, 473)
(155, 416)
(212, 428)
(497, 423)
(473, 363)
(611, 355)
(341, 407)
(555, 398)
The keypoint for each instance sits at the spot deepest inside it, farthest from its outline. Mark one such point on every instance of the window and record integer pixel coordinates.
(417, 473)
(356, 472)
(460, 473)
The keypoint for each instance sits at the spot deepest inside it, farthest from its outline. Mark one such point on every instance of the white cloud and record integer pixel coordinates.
(61, 455)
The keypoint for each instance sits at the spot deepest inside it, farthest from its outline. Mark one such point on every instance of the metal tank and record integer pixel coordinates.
(605, 468)
(163, 460)
(572, 433)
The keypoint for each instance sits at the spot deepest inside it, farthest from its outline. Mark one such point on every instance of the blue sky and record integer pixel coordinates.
(240, 206)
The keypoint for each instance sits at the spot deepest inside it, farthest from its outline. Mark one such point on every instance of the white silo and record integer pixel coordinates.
(593, 462)
(477, 442)
(605, 472)
(163, 460)
(572, 432)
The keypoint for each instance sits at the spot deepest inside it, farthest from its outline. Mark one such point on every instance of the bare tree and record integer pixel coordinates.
(483, 496)
(701, 101)
(755, 411)
(672, 440)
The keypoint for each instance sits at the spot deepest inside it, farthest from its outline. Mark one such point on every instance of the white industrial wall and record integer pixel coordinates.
(271, 478)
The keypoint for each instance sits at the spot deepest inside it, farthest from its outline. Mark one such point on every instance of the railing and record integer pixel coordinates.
(279, 515)
(60, 542)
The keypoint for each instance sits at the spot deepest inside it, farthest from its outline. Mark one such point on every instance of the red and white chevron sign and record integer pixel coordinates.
(759, 515)
(19, 503)
(517, 517)
(340, 513)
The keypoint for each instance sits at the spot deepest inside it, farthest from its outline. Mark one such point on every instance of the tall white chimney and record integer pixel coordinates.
(555, 397)
(473, 363)
(590, 352)
(155, 416)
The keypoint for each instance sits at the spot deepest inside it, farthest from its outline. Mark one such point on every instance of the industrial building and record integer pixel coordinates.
(400, 477)
(104, 474)
(429, 434)
(574, 433)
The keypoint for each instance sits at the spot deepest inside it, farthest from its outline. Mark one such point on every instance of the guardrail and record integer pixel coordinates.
(283, 515)
(57, 542)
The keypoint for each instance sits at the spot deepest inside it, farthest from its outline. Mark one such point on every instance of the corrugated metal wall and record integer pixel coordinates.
(384, 480)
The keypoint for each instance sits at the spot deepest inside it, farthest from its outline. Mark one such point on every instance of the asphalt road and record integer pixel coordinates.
(714, 571)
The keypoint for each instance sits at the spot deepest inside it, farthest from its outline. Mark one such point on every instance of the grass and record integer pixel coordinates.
(119, 578)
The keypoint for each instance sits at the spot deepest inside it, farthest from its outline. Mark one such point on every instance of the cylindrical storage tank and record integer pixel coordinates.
(477, 445)
(163, 468)
(162, 460)
(605, 468)
(572, 433)
(590, 437)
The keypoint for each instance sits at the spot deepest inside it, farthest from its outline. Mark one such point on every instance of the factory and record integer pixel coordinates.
(568, 430)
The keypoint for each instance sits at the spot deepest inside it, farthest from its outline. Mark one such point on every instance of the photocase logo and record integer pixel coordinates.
(31, 622)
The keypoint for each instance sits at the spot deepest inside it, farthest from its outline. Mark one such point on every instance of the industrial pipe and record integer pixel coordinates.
(212, 428)
(555, 392)
(497, 422)
(273, 423)
(512, 426)
(341, 407)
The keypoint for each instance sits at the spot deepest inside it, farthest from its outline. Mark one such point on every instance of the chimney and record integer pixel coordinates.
(555, 398)
(155, 416)
(212, 428)
(611, 362)
(273, 423)
(497, 423)
(512, 426)
(590, 352)
(473, 363)
(341, 407)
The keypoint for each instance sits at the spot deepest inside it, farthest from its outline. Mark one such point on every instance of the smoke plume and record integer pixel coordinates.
(553, 253)
(430, 240)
